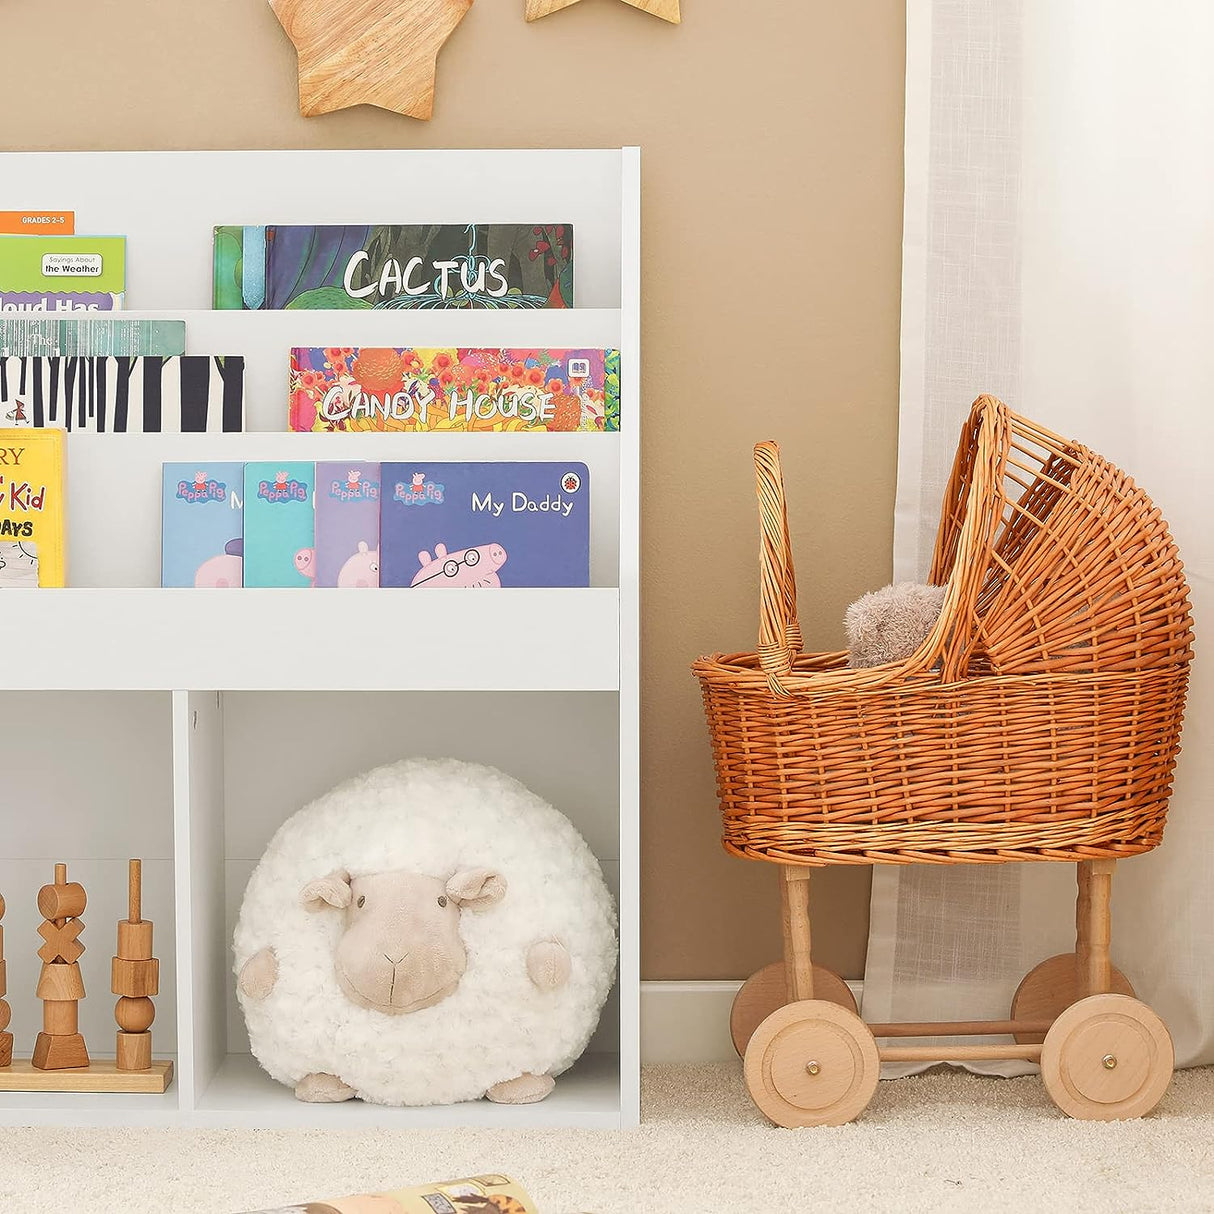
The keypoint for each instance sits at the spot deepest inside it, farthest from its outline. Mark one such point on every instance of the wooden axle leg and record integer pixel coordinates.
(798, 957)
(1093, 922)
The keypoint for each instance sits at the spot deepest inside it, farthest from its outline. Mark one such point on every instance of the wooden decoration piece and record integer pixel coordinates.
(368, 52)
(60, 987)
(100, 1076)
(134, 977)
(6, 1038)
(668, 10)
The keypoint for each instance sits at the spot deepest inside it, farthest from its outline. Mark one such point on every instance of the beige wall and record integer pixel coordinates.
(771, 132)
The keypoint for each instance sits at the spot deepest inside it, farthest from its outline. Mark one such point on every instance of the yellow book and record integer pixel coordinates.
(33, 508)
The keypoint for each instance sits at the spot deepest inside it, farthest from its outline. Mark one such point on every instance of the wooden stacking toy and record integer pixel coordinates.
(6, 1038)
(60, 986)
(134, 977)
(61, 1062)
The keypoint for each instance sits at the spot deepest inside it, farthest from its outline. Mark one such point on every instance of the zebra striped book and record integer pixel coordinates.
(190, 393)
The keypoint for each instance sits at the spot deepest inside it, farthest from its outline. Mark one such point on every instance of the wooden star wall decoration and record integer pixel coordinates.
(668, 10)
(368, 52)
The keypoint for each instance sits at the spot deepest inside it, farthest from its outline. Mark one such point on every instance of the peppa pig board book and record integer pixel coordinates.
(485, 525)
(202, 525)
(347, 524)
(32, 508)
(279, 524)
(400, 388)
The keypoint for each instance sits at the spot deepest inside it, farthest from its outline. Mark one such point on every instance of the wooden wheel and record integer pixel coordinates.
(765, 990)
(1107, 1058)
(812, 1063)
(1048, 989)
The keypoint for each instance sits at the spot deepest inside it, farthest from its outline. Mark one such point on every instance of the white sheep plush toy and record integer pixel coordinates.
(426, 933)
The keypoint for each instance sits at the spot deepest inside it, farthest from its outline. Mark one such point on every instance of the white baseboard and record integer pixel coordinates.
(689, 1021)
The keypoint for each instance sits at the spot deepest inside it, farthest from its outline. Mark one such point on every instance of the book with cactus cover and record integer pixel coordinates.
(485, 525)
(62, 273)
(395, 388)
(347, 524)
(279, 527)
(202, 525)
(33, 508)
(495, 265)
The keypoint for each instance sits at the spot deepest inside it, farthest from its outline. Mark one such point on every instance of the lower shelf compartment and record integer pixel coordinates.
(242, 1095)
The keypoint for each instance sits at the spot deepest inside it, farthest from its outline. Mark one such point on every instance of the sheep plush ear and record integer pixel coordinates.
(476, 888)
(324, 892)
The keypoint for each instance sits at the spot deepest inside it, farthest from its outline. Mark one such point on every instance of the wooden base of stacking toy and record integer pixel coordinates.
(101, 1075)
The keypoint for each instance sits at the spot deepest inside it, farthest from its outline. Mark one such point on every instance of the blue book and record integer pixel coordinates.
(485, 524)
(202, 530)
(347, 524)
(279, 527)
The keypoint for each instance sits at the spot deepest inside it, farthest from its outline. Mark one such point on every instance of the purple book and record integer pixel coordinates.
(347, 524)
(485, 524)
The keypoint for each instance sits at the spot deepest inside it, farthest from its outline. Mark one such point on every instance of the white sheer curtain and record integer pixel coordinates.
(1059, 252)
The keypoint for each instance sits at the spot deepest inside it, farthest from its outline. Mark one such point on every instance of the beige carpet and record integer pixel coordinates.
(940, 1142)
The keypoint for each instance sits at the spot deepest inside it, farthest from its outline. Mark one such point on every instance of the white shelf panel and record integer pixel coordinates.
(242, 1095)
(92, 1108)
(299, 640)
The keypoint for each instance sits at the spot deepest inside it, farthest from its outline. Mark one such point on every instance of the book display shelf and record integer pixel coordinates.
(184, 726)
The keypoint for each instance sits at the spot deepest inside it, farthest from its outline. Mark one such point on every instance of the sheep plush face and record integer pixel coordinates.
(401, 950)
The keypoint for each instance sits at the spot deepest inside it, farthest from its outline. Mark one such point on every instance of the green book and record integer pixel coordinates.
(62, 273)
(88, 336)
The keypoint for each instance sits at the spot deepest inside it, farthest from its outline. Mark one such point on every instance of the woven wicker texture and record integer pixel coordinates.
(1039, 721)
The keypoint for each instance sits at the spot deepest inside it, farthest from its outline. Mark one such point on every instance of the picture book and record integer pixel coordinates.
(37, 223)
(497, 265)
(87, 336)
(202, 525)
(395, 388)
(278, 524)
(62, 273)
(347, 524)
(186, 394)
(485, 524)
(33, 508)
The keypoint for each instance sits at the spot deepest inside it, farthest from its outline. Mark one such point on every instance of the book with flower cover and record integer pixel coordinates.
(493, 265)
(451, 525)
(393, 388)
(33, 508)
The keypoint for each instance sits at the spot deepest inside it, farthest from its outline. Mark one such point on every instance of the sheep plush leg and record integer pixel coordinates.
(526, 1089)
(323, 1089)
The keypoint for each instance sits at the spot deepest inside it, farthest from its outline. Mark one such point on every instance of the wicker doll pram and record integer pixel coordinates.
(1039, 721)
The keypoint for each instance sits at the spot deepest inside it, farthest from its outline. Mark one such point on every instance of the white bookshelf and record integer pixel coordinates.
(185, 726)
